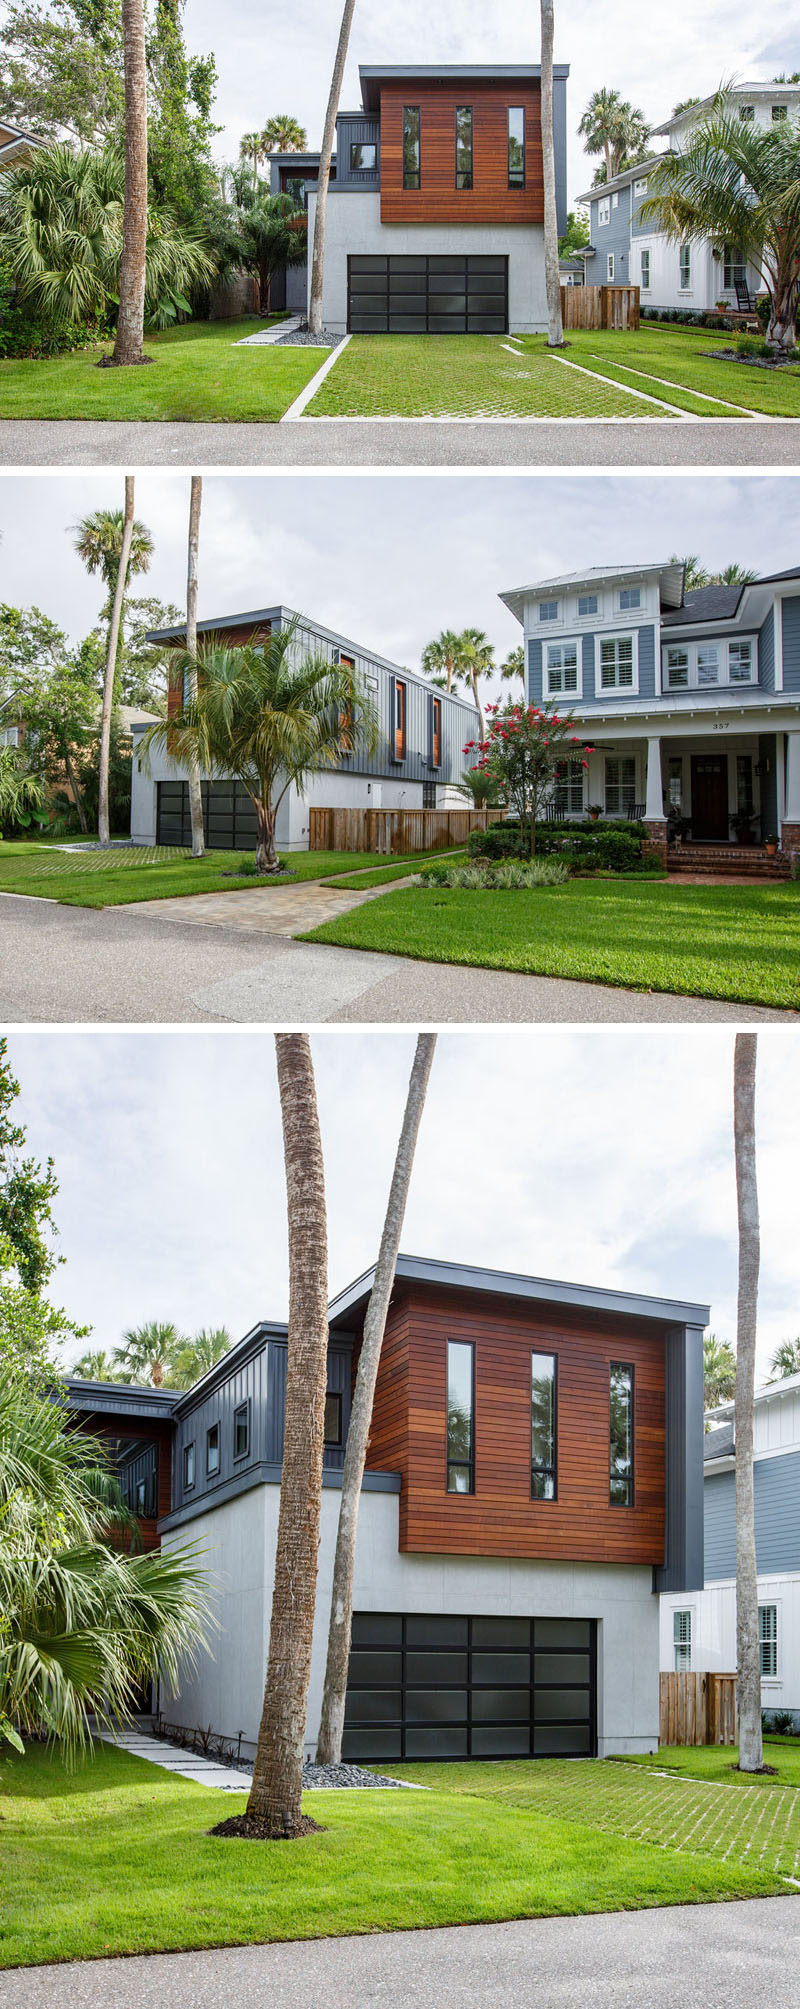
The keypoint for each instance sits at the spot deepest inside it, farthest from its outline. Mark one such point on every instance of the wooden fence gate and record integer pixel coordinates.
(697, 1709)
(395, 831)
(600, 307)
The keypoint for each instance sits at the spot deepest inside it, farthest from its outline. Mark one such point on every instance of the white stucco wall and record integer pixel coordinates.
(353, 227)
(330, 788)
(714, 1634)
(239, 1538)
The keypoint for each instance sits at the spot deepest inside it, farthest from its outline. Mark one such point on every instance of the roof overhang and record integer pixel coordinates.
(534, 1290)
(669, 575)
(374, 76)
(618, 181)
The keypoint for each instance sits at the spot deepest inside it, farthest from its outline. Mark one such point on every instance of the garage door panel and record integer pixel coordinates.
(555, 1740)
(443, 293)
(501, 1742)
(436, 1705)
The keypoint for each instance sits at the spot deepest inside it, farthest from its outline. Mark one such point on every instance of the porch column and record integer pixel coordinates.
(790, 821)
(654, 817)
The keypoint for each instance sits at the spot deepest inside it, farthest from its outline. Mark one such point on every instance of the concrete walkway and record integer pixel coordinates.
(265, 338)
(705, 1956)
(173, 1758)
(267, 910)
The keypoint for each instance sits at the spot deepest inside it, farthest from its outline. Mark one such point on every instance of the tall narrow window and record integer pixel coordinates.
(543, 1426)
(460, 1416)
(346, 710)
(188, 1465)
(333, 1417)
(399, 723)
(241, 1430)
(621, 1434)
(686, 267)
(620, 784)
(411, 177)
(516, 146)
(212, 1451)
(463, 146)
(436, 732)
(768, 1640)
(645, 269)
(682, 1641)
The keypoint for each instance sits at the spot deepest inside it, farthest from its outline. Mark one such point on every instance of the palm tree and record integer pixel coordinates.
(283, 134)
(738, 184)
(785, 1360)
(478, 661)
(21, 792)
(251, 147)
(193, 1357)
(324, 171)
(267, 716)
(276, 1792)
(195, 791)
(441, 659)
(97, 1366)
(482, 790)
(84, 1623)
(719, 1371)
(147, 1353)
(732, 575)
(555, 331)
(98, 541)
(130, 318)
(272, 233)
(112, 651)
(512, 671)
(748, 1652)
(694, 573)
(329, 1742)
(615, 129)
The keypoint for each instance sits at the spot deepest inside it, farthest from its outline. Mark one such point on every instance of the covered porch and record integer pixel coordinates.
(724, 793)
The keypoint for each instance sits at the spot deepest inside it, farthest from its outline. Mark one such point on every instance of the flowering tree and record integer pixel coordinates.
(526, 750)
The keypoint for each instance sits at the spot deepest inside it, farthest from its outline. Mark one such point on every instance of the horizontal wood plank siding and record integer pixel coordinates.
(500, 1518)
(437, 200)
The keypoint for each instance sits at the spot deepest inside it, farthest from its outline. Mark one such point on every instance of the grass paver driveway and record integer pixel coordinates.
(736, 942)
(478, 376)
(196, 372)
(116, 1857)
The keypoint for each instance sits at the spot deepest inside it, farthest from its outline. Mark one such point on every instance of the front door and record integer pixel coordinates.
(710, 797)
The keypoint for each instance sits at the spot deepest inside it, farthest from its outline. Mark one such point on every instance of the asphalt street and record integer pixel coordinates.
(707, 1956)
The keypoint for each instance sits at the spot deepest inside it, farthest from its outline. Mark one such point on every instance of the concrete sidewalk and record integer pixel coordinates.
(173, 1758)
(705, 1956)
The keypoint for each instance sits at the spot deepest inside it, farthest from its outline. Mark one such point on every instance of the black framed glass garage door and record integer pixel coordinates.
(422, 1686)
(419, 295)
(229, 819)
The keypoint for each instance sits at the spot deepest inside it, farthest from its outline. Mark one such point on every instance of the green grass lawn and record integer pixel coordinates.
(87, 878)
(116, 1858)
(737, 942)
(720, 1762)
(383, 875)
(481, 376)
(196, 373)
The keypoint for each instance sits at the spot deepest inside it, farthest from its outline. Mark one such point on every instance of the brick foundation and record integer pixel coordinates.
(790, 843)
(654, 845)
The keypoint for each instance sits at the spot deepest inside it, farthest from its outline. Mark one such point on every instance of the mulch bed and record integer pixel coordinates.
(248, 1829)
(752, 362)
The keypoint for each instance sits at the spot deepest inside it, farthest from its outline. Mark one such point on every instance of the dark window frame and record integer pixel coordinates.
(399, 718)
(346, 712)
(189, 1484)
(363, 167)
(242, 1409)
(436, 732)
(334, 1443)
(213, 1471)
(515, 180)
(630, 1481)
(460, 1464)
(461, 182)
(412, 179)
(550, 1470)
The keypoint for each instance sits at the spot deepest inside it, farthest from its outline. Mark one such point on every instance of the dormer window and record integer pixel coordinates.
(740, 662)
(587, 604)
(629, 598)
(548, 610)
(640, 188)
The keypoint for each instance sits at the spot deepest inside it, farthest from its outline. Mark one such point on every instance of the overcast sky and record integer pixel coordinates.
(388, 560)
(600, 1157)
(280, 61)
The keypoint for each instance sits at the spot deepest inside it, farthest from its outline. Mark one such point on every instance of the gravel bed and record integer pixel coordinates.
(325, 1777)
(752, 362)
(303, 339)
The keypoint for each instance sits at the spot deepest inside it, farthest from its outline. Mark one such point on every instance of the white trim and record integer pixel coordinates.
(622, 690)
(574, 642)
(777, 639)
(691, 648)
(603, 211)
(609, 267)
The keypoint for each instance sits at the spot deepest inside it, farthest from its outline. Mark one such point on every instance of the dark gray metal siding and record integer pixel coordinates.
(459, 720)
(261, 1382)
(683, 1550)
(351, 127)
(776, 1484)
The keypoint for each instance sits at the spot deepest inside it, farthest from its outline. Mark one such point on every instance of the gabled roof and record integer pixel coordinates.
(718, 1443)
(774, 93)
(720, 603)
(621, 180)
(508, 1283)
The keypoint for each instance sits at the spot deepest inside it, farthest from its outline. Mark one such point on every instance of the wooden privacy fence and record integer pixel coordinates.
(396, 831)
(697, 1709)
(600, 306)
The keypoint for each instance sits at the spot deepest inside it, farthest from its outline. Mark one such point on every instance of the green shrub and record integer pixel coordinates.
(505, 876)
(500, 840)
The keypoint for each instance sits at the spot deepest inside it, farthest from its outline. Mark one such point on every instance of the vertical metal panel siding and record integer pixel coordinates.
(246, 1384)
(791, 645)
(683, 1550)
(766, 653)
(777, 1510)
(459, 721)
(142, 1464)
(348, 129)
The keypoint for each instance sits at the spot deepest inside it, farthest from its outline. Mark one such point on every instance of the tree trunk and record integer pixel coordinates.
(267, 859)
(324, 173)
(103, 829)
(748, 1654)
(555, 334)
(782, 328)
(329, 1744)
(130, 319)
(478, 705)
(76, 790)
(275, 1795)
(195, 790)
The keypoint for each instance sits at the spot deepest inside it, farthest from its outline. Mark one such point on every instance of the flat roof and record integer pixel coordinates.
(372, 75)
(509, 1283)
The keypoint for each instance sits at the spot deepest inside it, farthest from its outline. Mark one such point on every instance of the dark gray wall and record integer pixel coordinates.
(683, 1554)
(354, 126)
(459, 720)
(259, 1379)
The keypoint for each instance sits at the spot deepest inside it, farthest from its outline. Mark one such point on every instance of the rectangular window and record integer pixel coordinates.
(436, 732)
(734, 267)
(686, 267)
(562, 668)
(363, 155)
(516, 146)
(630, 596)
(399, 719)
(616, 664)
(610, 265)
(682, 1641)
(620, 784)
(604, 211)
(747, 114)
(188, 1466)
(411, 150)
(645, 271)
(548, 610)
(778, 114)
(615, 200)
(675, 782)
(460, 1416)
(768, 1640)
(640, 189)
(463, 146)
(241, 1430)
(744, 784)
(212, 1451)
(333, 1418)
(740, 662)
(346, 711)
(543, 1426)
(677, 669)
(621, 1434)
(707, 664)
(568, 788)
(587, 604)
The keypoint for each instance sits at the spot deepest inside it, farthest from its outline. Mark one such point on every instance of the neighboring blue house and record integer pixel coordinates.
(699, 1632)
(690, 702)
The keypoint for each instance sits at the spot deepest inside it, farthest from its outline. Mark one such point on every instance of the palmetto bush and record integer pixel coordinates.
(61, 238)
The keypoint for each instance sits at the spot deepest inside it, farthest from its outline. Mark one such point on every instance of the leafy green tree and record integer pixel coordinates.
(738, 184)
(21, 792)
(524, 749)
(31, 1330)
(684, 105)
(283, 134)
(180, 128)
(193, 1357)
(56, 695)
(616, 129)
(576, 235)
(252, 148)
(272, 234)
(267, 717)
(719, 1371)
(785, 1360)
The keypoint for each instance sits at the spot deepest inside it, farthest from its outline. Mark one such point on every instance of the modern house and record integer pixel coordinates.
(699, 1632)
(417, 764)
(689, 702)
(534, 1481)
(626, 248)
(435, 219)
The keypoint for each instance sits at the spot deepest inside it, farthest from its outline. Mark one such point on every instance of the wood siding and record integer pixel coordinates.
(395, 832)
(408, 1432)
(150, 1432)
(697, 1709)
(437, 200)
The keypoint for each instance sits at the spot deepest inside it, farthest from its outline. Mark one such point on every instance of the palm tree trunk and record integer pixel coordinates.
(76, 789)
(275, 1795)
(130, 319)
(478, 705)
(748, 1653)
(782, 328)
(329, 1743)
(324, 174)
(267, 859)
(555, 333)
(195, 790)
(114, 625)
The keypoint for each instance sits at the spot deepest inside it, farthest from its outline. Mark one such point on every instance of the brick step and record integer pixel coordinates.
(741, 861)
